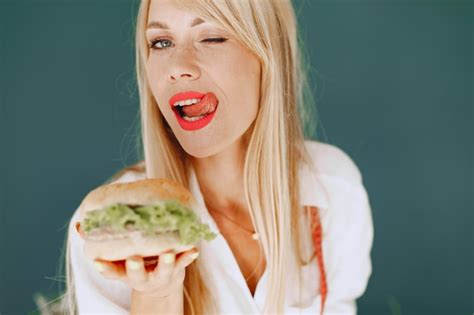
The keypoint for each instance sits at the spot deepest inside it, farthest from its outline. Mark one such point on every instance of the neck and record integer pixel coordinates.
(220, 179)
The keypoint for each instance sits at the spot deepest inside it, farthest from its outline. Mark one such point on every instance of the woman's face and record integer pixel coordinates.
(182, 58)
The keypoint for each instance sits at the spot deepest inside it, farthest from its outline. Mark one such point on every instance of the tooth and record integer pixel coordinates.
(192, 118)
(187, 102)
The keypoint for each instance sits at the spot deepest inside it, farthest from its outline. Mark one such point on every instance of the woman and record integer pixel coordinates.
(293, 217)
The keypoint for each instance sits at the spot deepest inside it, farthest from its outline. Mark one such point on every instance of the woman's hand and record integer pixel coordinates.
(155, 276)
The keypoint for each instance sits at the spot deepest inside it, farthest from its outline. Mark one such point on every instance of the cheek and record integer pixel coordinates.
(152, 71)
(155, 78)
(237, 73)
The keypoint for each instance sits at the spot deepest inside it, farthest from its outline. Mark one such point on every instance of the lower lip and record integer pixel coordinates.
(194, 125)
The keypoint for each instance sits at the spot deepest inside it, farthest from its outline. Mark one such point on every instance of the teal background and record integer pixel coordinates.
(394, 89)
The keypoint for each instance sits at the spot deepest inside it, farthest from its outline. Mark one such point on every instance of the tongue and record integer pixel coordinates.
(207, 105)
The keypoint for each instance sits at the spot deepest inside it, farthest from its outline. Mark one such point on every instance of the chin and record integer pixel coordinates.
(202, 146)
(200, 151)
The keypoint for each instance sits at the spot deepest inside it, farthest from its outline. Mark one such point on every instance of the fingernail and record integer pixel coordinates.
(194, 255)
(168, 258)
(99, 266)
(133, 264)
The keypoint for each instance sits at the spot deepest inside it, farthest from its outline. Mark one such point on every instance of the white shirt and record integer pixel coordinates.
(334, 186)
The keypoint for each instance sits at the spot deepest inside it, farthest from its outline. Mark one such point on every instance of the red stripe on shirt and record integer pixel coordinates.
(316, 235)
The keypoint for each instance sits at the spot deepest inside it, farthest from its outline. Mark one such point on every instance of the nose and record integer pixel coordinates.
(182, 66)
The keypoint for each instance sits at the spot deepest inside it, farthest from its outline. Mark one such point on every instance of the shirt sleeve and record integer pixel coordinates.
(94, 293)
(347, 230)
(347, 236)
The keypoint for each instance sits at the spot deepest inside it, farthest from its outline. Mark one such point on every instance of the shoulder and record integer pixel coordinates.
(128, 174)
(330, 160)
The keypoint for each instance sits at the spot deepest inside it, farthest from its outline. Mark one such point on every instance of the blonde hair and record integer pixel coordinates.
(275, 141)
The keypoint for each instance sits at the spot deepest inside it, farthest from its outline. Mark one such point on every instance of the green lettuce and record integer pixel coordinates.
(167, 216)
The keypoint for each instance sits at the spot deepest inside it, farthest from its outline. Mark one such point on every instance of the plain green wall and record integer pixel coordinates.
(393, 85)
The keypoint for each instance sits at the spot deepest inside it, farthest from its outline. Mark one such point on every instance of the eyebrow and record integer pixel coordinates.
(158, 24)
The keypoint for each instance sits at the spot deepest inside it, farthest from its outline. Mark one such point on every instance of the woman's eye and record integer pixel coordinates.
(160, 44)
(215, 40)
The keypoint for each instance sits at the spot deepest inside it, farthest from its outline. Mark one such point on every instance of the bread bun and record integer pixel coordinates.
(140, 192)
(119, 246)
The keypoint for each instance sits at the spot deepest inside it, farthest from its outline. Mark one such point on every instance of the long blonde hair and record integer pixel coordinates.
(275, 140)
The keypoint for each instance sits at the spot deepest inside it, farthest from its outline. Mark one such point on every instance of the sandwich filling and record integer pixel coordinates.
(119, 220)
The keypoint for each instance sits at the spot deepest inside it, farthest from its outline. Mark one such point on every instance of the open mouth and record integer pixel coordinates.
(197, 116)
(195, 111)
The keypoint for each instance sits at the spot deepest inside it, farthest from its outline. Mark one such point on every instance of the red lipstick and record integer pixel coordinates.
(208, 100)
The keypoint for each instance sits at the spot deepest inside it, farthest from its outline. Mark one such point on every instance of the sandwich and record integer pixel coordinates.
(145, 217)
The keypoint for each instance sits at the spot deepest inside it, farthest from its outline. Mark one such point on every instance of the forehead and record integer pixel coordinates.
(167, 13)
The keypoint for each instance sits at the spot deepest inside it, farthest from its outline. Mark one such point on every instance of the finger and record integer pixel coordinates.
(165, 267)
(136, 272)
(108, 269)
(187, 258)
